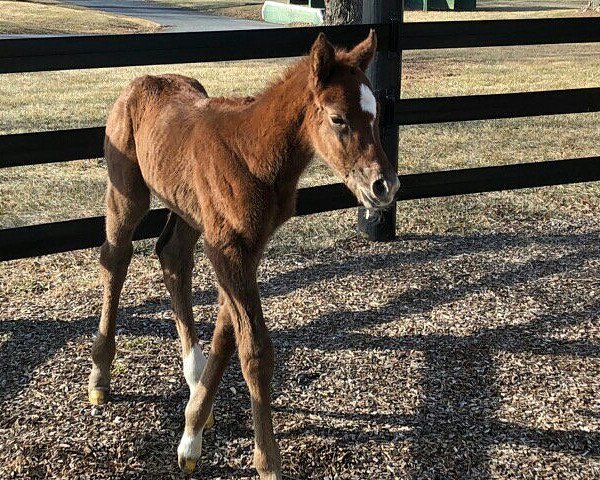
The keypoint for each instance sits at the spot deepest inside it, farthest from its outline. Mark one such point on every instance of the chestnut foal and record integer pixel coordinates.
(228, 169)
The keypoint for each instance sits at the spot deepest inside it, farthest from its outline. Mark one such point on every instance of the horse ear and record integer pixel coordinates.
(361, 55)
(322, 58)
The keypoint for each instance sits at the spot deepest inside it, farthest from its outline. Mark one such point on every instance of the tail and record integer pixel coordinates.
(167, 232)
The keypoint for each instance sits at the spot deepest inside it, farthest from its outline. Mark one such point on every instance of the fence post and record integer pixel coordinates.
(384, 75)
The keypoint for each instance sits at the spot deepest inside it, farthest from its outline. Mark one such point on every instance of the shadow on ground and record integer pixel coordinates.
(456, 418)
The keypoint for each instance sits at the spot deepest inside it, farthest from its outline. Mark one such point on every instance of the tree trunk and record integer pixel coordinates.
(343, 12)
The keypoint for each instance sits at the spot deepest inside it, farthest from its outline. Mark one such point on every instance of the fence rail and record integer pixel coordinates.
(44, 239)
(65, 145)
(59, 53)
(95, 51)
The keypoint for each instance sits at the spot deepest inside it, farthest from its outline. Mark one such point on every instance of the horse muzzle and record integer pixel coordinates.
(378, 192)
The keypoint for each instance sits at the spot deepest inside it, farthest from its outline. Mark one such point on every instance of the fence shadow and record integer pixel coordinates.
(27, 332)
(455, 427)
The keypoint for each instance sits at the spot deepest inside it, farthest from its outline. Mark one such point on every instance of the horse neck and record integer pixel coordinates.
(274, 140)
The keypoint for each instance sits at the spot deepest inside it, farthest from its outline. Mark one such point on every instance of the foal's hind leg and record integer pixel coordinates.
(175, 249)
(126, 206)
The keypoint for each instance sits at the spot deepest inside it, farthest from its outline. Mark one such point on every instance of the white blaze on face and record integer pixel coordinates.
(193, 366)
(367, 101)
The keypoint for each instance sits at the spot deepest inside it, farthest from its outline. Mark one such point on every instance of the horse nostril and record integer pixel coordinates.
(379, 188)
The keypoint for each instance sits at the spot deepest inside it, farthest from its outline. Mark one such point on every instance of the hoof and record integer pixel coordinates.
(187, 465)
(97, 396)
(210, 422)
(189, 451)
(263, 475)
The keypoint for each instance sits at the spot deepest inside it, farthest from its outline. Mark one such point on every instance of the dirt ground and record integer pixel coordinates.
(465, 356)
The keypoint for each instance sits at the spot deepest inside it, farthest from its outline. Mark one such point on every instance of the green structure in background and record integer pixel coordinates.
(294, 11)
(426, 5)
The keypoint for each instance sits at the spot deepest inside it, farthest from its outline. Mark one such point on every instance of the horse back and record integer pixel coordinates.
(140, 109)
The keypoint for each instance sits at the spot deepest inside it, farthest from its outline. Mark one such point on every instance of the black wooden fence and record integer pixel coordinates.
(58, 53)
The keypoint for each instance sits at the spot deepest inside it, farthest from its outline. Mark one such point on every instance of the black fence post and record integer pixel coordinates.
(384, 75)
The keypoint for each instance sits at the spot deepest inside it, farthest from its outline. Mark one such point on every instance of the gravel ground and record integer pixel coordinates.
(432, 357)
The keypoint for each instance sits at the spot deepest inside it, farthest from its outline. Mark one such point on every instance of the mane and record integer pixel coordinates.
(240, 103)
(289, 73)
(341, 57)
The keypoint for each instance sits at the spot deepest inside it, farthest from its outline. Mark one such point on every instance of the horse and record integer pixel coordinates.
(228, 170)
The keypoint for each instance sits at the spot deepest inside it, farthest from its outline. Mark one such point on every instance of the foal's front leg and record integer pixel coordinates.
(257, 360)
(236, 272)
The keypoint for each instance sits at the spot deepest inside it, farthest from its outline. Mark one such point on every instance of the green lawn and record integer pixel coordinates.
(51, 17)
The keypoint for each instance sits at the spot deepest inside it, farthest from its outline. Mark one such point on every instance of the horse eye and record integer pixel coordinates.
(338, 120)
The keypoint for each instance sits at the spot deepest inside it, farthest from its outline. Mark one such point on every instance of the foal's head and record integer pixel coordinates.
(344, 120)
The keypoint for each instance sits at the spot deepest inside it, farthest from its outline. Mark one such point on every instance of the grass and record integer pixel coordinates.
(72, 99)
(498, 9)
(486, 9)
(37, 18)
